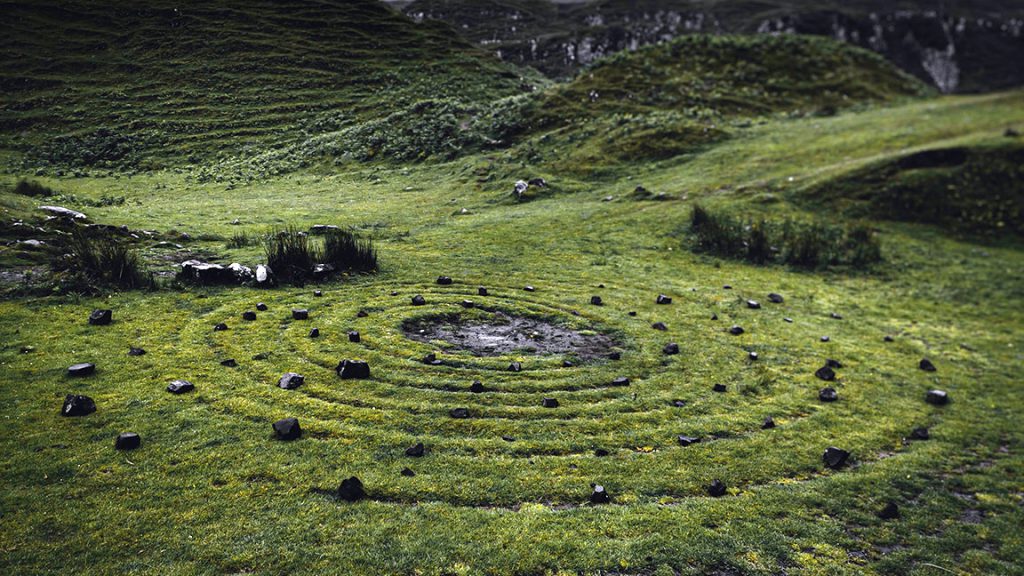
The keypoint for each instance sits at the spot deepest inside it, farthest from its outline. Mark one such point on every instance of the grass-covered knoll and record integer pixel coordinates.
(975, 190)
(165, 84)
(506, 490)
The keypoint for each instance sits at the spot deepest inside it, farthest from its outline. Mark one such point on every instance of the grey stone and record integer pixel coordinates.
(287, 429)
(81, 369)
(180, 387)
(835, 457)
(127, 441)
(291, 381)
(353, 370)
(77, 405)
(101, 317)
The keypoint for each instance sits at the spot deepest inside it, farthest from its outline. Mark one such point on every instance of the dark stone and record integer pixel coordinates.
(787, 320)
(291, 381)
(353, 370)
(180, 387)
(287, 429)
(662, 299)
(831, 363)
(671, 348)
(460, 413)
(314, 333)
(353, 336)
(834, 457)
(248, 315)
(261, 356)
(444, 280)
(430, 358)
(529, 288)
(615, 356)
(318, 293)
(752, 356)
(632, 312)
(133, 351)
(230, 363)
(825, 338)
(418, 300)
(127, 441)
(362, 314)
(595, 300)
(101, 317)
(477, 387)
(515, 367)
(467, 304)
(599, 495)
(776, 298)
(736, 330)
(83, 369)
(828, 394)
(351, 490)
(727, 287)
(679, 403)
(825, 373)
(220, 327)
(549, 403)
(508, 439)
(481, 291)
(567, 364)
(416, 451)
(937, 397)
(600, 452)
(716, 489)
(926, 365)
(77, 405)
(407, 472)
(659, 326)
(261, 307)
(920, 433)
(753, 304)
(620, 381)
(687, 440)
(768, 423)
(719, 387)
(888, 339)
(890, 512)
(836, 316)
(714, 316)
(300, 314)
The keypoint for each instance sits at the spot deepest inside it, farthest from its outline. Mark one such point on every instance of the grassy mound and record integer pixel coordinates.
(972, 190)
(102, 84)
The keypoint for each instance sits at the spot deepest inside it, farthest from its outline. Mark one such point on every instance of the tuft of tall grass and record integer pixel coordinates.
(104, 261)
(345, 251)
(293, 254)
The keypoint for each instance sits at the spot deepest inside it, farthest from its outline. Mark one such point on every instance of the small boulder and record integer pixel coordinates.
(353, 336)
(736, 330)
(825, 339)
(678, 403)
(300, 314)
(529, 288)
(753, 304)
(515, 367)
(351, 490)
(407, 472)
(716, 489)
(291, 381)
(180, 387)
(836, 316)
(828, 394)
(719, 388)
(687, 440)
(832, 363)
(77, 405)
(615, 355)
(318, 293)
(61, 212)
(834, 458)
(264, 275)
(825, 373)
(600, 452)
(418, 300)
(220, 327)
(459, 413)
(659, 326)
(481, 291)
(127, 441)
(261, 307)
(353, 370)
(314, 333)
(920, 433)
(888, 339)
(620, 381)
(926, 365)
(549, 403)
(752, 356)
(101, 317)
(662, 299)
(599, 495)
(596, 300)
(230, 363)
(287, 429)
(776, 298)
(467, 304)
(937, 397)
(768, 423)
(362, 314)
(444, 280)
(416, 451)
(890, 512)
(248, 315)
(133, 351)
(477, 387)
(82, 369)
(671, 348)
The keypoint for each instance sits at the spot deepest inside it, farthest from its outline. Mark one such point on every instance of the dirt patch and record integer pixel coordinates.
(487, 333)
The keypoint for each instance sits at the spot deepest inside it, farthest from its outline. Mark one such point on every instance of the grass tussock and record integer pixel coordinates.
(95, 263)
(805, 245)
(294, 255)
(33, 189)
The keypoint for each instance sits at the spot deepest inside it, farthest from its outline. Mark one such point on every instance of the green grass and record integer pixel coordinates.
(211, 492)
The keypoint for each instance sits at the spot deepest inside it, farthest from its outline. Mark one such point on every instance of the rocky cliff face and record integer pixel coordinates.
(954, 52)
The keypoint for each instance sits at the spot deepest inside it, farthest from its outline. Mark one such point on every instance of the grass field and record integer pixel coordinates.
(506, 490)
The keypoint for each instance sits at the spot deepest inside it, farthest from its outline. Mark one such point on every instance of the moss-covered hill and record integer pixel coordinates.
(158, 83)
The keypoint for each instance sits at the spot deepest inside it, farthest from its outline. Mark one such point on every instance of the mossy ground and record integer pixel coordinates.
(210, 491)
